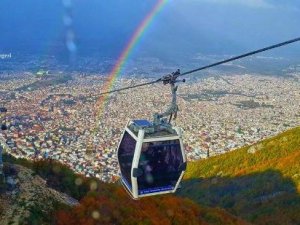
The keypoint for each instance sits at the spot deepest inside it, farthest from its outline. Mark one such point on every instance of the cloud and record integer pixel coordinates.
(248, 3)
(289, 5)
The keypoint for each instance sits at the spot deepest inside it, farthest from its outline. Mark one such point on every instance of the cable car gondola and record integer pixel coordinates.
(150, 163)
(151, 156)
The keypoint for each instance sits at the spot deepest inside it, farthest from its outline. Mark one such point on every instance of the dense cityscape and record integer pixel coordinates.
(58, 115)
(149, 112)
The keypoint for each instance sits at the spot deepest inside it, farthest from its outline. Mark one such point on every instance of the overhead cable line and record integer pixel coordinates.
(211, 65)
(129, 87)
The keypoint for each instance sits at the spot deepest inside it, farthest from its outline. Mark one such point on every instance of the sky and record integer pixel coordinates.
(182, 29)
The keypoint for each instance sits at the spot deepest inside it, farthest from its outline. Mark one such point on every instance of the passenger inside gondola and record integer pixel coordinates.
(160, 163)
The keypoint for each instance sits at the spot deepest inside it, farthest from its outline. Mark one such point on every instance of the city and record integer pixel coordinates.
(217, 114)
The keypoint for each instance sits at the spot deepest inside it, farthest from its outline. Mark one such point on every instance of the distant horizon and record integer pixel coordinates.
(181, 29)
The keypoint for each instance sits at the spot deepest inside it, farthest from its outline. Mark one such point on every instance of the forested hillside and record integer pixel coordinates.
(259, 183)
(102, 203)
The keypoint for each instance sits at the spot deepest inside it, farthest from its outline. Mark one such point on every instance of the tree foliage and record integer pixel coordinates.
(261, 186)
(114, 206)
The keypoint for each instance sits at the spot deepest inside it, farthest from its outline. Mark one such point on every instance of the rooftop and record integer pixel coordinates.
(145, 124)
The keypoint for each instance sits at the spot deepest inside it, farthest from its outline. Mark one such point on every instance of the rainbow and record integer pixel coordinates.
(116, 71)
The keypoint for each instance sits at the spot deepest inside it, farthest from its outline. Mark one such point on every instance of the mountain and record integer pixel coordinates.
(259, 183)
(100, 203)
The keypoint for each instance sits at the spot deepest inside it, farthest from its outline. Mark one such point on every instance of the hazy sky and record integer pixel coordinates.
(183, 27)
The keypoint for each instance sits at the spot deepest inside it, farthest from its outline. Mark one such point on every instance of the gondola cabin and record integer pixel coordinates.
(151, 161)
